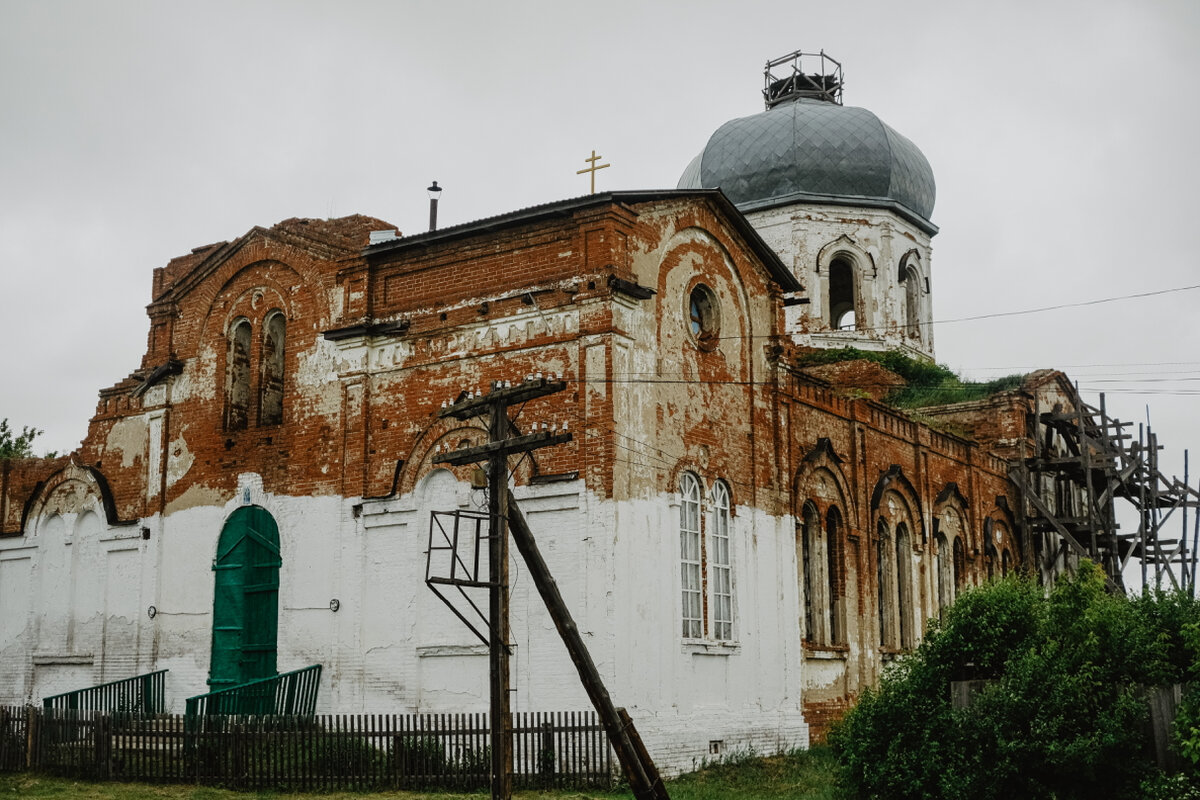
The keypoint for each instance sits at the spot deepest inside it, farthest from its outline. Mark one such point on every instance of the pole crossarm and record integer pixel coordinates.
(507, 396)
(502, 448)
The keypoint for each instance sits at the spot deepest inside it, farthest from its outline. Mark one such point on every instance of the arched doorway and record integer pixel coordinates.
(245, 599)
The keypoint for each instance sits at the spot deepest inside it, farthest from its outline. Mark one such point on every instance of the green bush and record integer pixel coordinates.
(1187, 723)
(1063, 716)
(929, 383)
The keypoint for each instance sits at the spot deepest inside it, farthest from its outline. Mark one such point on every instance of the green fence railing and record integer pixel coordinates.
(140, 695)
(292, 694)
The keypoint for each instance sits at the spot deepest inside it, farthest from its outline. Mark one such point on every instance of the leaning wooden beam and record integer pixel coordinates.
(1067, 537)
(643, 778)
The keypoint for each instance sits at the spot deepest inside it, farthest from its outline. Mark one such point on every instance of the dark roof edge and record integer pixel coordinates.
(842, 200)
(779, 272)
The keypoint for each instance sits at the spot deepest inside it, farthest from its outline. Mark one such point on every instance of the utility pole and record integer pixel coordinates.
(500, 446)
(636, 763)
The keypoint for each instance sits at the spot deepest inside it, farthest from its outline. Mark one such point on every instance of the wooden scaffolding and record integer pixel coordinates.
(1086, 476)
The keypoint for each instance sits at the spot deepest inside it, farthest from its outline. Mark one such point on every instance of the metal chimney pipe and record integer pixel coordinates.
(435, 192)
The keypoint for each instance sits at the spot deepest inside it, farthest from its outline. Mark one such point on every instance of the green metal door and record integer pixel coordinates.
(245, 599)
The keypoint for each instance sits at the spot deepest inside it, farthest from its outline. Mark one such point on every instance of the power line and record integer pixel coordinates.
(999, 314)
(1060, 306)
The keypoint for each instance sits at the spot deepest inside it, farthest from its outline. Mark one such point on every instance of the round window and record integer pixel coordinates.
(704, 318)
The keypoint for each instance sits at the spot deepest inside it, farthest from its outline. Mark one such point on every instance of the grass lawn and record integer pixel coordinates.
(812, 774)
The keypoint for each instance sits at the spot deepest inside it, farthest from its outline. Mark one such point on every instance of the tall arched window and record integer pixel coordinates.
(904, 587)
(912, 303)
(960, 564)
(833, 549)
(720, 565)
(270, 409)
(885, 572)
(689, 556)
(810, 567)
(989, 549)
(945, 578)
(1000, 537)
(237, 381)
(841, 295)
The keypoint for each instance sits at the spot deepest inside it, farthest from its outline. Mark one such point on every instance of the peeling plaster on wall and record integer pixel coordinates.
(128, 437)
(179, 458)
(155, 396)
(69, 497)
(198, 381)
(196, 495)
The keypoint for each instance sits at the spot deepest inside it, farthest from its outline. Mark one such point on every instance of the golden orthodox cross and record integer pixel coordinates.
(592, 169)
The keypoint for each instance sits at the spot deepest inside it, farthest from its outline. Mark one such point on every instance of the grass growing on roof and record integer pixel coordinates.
(929, 383)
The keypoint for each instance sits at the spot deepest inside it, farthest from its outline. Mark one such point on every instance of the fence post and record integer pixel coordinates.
(546, 755)
(102, 730)
(31, 734)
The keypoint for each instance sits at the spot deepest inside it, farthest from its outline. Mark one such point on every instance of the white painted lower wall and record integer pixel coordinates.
(77, 612)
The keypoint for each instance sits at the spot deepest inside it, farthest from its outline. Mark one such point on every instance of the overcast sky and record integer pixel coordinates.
(1063, 136)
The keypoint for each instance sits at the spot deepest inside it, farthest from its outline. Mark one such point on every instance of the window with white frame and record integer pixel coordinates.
(689, 556)
(721, 569)
(706, 562)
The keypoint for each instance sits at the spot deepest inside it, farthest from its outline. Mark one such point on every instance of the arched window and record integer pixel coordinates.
(810, 567)
(904, 587)
(721, 566)
(689, 556)
(912, 303)
(237, 381)
(270, 409)
(885, 573)
(841, 295)
(833, 548)
(945, 580)
(960, 564)
(704, 316)
(989, 549)
(1005, 562)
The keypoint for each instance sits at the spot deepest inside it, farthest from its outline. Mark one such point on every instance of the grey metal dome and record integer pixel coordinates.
(810, 149)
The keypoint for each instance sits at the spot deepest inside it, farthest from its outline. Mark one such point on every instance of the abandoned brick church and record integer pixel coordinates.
(744, 543)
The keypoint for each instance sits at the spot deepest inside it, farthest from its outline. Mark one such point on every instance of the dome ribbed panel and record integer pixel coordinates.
(816, 148)
(912, 179)
(691, 176)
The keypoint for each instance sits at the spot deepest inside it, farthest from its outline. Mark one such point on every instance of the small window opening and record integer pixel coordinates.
(841, 295)
(704, 319)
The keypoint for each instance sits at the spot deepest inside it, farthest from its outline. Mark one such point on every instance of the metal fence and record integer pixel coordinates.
(307, 753)
(143, 694)
(287, 694)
